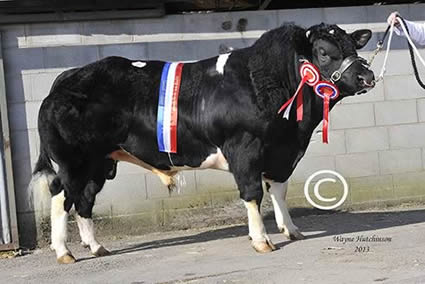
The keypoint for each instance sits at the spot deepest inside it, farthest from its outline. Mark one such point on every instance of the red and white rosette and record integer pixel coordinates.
(310, 75)
(327, 91)
(310, 72)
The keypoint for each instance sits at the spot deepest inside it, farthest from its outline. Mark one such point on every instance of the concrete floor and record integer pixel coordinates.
(224, 255)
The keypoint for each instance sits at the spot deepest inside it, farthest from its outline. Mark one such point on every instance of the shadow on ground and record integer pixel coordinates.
(326, 223)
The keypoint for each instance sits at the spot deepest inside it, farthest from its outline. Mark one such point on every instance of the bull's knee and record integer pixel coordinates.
(84, 207)
(252, 195)
(55, 186)
(85, 201)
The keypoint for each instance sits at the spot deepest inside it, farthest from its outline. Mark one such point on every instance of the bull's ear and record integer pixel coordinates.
(361, 37)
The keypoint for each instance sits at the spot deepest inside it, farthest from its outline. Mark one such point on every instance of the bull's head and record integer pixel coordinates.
(334, 53)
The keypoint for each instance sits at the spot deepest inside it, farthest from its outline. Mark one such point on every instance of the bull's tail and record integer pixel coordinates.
(42, 176)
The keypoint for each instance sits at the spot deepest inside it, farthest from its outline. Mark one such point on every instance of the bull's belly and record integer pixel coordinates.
(212, 161)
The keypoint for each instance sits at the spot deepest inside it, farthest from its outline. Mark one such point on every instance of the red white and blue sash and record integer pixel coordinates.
(168, 107)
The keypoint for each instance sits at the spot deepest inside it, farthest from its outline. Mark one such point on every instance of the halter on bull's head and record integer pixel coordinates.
(334, 53)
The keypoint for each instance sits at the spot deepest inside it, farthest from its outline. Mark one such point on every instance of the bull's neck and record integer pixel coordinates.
(274, 84)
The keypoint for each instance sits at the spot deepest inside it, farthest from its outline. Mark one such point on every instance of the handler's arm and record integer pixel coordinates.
(416, 31)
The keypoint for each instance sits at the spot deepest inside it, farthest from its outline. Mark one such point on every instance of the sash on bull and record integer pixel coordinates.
(228, 119)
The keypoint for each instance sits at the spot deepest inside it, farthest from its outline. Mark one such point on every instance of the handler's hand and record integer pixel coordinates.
(393, 18)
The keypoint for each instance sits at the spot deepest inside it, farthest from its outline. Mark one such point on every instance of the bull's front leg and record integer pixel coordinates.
(284, 222)
(244, 154)
(257, 232)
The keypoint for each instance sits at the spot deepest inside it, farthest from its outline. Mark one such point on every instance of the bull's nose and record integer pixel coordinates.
(370, 77)
(368, 80)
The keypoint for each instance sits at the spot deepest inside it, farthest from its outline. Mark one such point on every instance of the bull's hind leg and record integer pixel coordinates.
(245, 162)
(284, 222)
(84, 206)
(59, 219)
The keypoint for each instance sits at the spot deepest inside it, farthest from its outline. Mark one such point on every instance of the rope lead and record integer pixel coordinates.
(412, 51)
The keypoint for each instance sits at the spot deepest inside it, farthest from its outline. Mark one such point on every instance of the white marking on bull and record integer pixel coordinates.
(332, 31)
(307, 33)
(215, 161)
(284, 222)
(221, 62)
(86, 228)
(59, 218)
(139, 64)
(257, 232)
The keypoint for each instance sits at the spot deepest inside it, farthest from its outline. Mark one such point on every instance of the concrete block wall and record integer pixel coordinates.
(376, 140)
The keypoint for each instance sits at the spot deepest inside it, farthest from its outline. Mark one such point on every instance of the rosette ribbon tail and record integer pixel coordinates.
(300, 107)
(326, 101)
(288, 104)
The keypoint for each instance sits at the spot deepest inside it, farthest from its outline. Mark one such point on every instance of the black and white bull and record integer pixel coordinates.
(227, 119)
